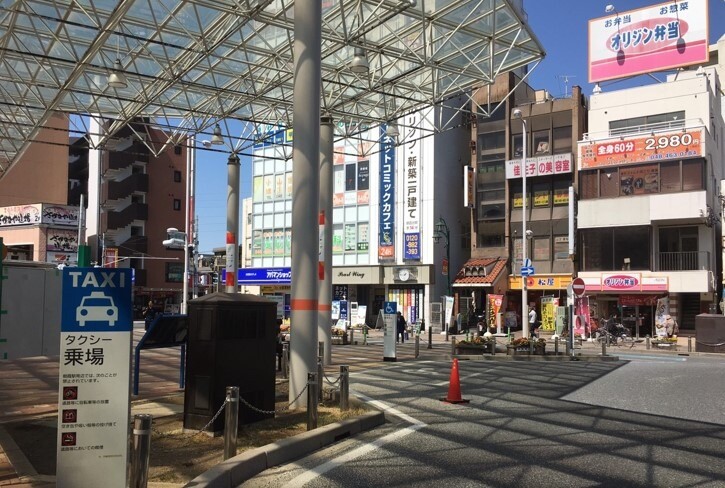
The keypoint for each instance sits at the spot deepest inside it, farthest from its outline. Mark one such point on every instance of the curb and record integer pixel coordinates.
(240, 468)
(561, 357)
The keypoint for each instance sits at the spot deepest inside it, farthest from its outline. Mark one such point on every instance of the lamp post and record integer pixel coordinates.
(524, 292)
(442, 231)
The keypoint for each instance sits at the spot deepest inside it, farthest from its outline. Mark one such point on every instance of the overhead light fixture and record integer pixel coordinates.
(392, 130)
(700, 71)
(216, 137)
(117, 79)
(359, 62)
(610, 8)
(597, 89)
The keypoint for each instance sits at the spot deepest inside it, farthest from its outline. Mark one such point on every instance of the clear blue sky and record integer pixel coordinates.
(561, 27)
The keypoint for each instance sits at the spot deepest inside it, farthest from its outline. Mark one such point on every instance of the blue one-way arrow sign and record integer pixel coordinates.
(527, 270)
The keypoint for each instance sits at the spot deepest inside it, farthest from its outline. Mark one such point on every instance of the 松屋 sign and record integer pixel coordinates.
(94, 388)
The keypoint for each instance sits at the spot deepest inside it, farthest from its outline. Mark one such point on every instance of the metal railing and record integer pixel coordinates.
(683, 261)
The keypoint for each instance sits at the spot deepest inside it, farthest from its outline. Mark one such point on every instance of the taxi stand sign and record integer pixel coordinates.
(94, 377)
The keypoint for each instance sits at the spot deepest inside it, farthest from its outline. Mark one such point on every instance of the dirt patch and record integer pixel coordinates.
(178, 456)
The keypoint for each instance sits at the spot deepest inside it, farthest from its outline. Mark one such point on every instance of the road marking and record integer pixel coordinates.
(626, 356)
(364, 449)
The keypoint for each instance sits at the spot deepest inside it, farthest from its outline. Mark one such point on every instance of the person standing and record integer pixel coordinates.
(400, 328)
(149, 314)
(532, 320)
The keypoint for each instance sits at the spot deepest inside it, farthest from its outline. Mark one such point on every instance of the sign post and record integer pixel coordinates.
(390, 333)
(94, 377)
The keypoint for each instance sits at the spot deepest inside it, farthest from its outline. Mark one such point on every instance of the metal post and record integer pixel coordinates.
(311, 401)
(231, 422)
(305, 193)
(646, 342)
(141, 450)
(232, 248)
(689, 344)
(344, 387)
(352, 336)
(453, 346)
(524, 292)
(320, 376)
(556, 346)
(324, 294)
(567, 346)
(531, 345)
(604, 347)
(417, 345)
(285, 361)
(430, 337)
(493, 349)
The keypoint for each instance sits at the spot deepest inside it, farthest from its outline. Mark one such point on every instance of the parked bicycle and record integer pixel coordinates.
(613, 333)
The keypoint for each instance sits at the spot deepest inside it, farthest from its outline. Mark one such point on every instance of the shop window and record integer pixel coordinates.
(609, 183)
(692, 175)
(561, 248)
(561, 192)
(588, 184)
(597, 250)
(177, 204)
(632, 243)
(350, 177)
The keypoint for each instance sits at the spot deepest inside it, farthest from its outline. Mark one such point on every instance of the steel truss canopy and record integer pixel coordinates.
(191, 64)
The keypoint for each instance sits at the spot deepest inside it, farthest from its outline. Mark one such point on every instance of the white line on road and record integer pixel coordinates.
(311, 474)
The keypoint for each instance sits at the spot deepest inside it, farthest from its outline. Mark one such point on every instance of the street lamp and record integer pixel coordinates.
(524, 292)
(442, 231)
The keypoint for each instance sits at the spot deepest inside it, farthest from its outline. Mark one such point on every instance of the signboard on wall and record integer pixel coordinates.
(386, 217)
(663, 36)
(631, 150)
(540, 166)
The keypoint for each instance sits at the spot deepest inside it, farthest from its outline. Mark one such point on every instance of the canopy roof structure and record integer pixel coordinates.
(191, 64)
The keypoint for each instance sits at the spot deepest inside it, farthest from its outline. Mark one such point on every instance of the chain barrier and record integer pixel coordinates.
(191, 435)
(278, 410)
(331, 383)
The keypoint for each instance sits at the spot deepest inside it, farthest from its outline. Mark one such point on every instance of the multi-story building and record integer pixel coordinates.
(650, 169)
(553, 127)
(380, 251)
(133, 198)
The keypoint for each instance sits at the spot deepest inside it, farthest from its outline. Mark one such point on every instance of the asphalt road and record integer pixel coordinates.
(651, 421)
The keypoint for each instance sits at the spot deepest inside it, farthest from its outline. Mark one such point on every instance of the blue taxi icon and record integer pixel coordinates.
(97, 307)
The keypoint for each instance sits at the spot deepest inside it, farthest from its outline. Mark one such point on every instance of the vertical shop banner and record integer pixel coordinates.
(449, 312)
(663, 310)
(494, 307)
(94, 377)
(548, 312)
(582, 321)
(411, 187)
(386, 217)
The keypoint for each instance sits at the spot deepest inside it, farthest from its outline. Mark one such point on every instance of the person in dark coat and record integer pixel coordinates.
(149, 314)
(400, 327)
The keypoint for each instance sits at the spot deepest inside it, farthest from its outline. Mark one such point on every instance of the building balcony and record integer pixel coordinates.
(135, 211)
(121, 189)
(683, 261)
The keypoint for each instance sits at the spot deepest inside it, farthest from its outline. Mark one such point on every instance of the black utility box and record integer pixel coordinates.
(710, 333)
(232, 342)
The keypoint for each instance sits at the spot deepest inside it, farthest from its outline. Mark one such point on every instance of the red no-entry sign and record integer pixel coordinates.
(578, 286)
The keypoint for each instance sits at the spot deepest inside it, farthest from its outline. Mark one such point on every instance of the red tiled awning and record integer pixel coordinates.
(481, 272)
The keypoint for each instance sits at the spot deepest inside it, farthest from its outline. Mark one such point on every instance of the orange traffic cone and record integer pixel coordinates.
(454, 388)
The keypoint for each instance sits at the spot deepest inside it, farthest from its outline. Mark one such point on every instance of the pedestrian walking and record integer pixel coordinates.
(149, 314)
(532, 320)
(400, 327)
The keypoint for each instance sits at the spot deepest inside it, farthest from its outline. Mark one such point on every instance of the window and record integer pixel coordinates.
(177, 204)
(516, 144)
(174, 273)
(350, 177)
(606, 249)
(670, 176)
(665, 120)
(609, 183)
(588, 187)
(692, 175)
(561, 248)
(542, 248)
(541, 142)
(562, 139)
(177, 150)
(491, 140)
(491, 234)
(177, 176)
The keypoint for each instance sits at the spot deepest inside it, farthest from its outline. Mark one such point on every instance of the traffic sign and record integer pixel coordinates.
(527, 263)
(390, 307)
(578, 286)
(527, 270)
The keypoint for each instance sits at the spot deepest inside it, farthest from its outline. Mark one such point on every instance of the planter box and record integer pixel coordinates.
(472, 350)
(524, 350)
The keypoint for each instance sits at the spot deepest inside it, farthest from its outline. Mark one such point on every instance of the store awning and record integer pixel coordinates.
(481, 272)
